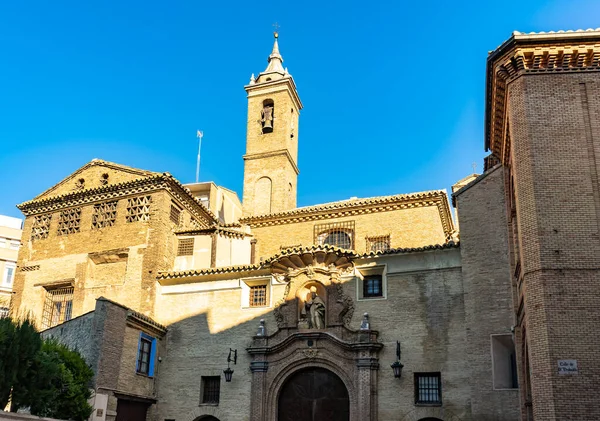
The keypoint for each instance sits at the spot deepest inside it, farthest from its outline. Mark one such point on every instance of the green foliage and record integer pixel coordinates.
(20, 343)
(46, 376)
(61, 389)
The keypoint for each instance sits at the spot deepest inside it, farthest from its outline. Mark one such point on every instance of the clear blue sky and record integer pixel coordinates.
(393, 91)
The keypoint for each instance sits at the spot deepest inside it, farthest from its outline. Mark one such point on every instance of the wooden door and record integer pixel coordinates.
(314, 394)
(131, 410)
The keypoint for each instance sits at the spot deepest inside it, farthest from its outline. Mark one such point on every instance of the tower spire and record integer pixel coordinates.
(275, 59)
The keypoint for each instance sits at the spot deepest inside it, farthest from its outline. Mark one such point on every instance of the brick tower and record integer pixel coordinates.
(543, 124)
(270, 163)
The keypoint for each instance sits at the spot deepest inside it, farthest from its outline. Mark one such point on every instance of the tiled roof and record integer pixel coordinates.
(325, 248)
(350, 254)
(137, 315)
(568, 31)
(358, 206)
(208, 271)
(111, 190)
(449, 245)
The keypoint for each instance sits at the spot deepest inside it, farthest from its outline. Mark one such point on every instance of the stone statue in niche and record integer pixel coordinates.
(267, 118)
(313, 310)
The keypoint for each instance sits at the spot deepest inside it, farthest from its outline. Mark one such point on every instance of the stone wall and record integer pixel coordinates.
(81, 334)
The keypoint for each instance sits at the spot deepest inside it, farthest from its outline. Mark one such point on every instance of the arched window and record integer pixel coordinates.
(340, 234)
(267, 116)
(338, 238)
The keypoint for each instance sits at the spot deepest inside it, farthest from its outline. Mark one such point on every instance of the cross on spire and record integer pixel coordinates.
(276, 26)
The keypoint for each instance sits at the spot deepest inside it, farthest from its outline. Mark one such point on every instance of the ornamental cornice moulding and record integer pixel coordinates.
(122, 190)
(360, 207)
(514, 60)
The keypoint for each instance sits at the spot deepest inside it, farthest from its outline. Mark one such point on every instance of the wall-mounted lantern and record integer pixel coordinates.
(228, 371)
(397, 365)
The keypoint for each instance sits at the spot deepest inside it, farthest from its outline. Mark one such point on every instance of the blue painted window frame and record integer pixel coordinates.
(151, 357)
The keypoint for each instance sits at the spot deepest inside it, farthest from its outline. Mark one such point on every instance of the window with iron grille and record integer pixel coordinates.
(211, 388)
(69, 221)
(340, 234)
(258, 296)
(372, 286)
(428, 388)
(175, 214)
(40, 227)
(58, 306)
(185, 247)
(378, 243)
(138, 208)
(3, 312)
(104, 215)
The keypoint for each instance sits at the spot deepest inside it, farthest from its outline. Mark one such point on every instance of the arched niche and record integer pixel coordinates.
(262, 195)
(304, 296)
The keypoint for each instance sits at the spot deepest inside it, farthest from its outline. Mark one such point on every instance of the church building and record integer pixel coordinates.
(191, 305)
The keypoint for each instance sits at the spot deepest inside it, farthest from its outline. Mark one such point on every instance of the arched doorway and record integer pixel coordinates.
(207, 418)
(313, 394)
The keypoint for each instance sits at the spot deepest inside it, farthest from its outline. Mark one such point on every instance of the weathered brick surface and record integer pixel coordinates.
(416, 227)
(554, 126)
(488, 291)
(149, 246)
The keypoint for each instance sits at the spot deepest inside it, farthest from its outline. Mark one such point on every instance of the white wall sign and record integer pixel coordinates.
(567, 367)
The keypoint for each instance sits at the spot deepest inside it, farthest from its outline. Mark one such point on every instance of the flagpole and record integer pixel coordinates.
(199, 135)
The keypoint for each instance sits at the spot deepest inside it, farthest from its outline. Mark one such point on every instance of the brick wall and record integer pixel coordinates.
(488, 291)
(554, 125)
(416, 227)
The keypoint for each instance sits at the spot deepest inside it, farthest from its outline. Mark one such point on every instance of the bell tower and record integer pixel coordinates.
(270, 162)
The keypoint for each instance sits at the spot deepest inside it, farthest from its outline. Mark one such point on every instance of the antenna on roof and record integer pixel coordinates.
(199, 135)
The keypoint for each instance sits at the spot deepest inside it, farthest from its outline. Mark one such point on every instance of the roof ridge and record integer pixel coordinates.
(346, 204)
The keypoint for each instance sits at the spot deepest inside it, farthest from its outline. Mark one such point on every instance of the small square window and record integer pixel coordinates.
(69, 221)
(211, 389)
(372, 286)
(256, 292)
(40, 227)
(258, 296)
(371, 282)
(138, 209)
(3, 312)
(378, 243)
(185, 247)
(428, 389)
(146, 351)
